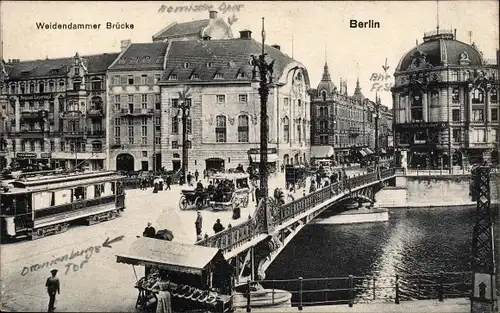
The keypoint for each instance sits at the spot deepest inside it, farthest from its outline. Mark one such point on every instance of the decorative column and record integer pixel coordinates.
(407, 107)
(425, 108)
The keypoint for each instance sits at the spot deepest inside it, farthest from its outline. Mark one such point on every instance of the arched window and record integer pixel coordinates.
(299, 132)
(220, 129)
(494, 95)
(477, 96)
(323, 95)
(243, 128)
(434, 98)
(286, 129)
(97, 84)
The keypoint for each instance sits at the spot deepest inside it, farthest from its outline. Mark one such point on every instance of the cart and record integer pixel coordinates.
(232, 191)
(194, 198)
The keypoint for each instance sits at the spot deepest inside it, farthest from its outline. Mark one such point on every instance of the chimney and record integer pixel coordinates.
(245, 34)
(124, 44)
(276, 47)
(212, 14)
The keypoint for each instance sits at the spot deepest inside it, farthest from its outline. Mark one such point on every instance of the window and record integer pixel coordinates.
(455, 96)
(175, 125)
(416, 114)
(241, 75)
(220, 129)
(243, 98)
(420, 137)
(323, 126)
(157, 98)
(22, 88)
(52, 146)
(130, 121)
(175, 103)
(131, 131)
(454, 76)
(117, 140)
(144, 79)
(157, 140)
(96, 84)
(175, 144)
(494, 95)
(116, 80)
(144, 100)
(77, 71)
(243, 128)
(41, 87)
(323, 139)
(209, 64)
(62, 146)
(189, 126)
(76, 86)
(477, 115)
(477, 96)
(218, 76)
(131, 140)
(146, 60)
(455, 115)
(299, 133)
(186, 65)
(494, 114)
(478, 135)
(157, 120)
(61, 83)
(457, 135)
(32, 145)
(434, 98)
(221, 98)
(299, 102)
(144, 140)
(117, 121)
(130, 79)
(494, 135)
(117, 131)
(172, 77)
(323, 95)
(144, 131)
(195, 76)
(286, 129)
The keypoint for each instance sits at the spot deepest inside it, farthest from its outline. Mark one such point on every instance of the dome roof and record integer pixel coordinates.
(437, 50)
(326, 83)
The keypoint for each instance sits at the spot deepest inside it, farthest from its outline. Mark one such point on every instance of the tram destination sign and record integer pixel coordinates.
(420, 125)
(37, 97)
(26, 155)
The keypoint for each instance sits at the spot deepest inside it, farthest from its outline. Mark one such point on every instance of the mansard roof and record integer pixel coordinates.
(230, 58)
(141, 56)
(182, 29)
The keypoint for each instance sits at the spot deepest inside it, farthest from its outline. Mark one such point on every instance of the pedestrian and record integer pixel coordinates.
(149, 231)
(168, 181)
(196, 174)
(205, 175)
(282, 168)
(52, 285)
(189, 178)
(198, 224)
(218, 226)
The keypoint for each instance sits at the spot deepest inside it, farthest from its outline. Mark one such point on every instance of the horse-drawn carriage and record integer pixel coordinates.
(232, 191)
(296, 176)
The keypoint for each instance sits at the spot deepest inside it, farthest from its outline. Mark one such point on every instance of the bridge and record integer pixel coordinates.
(252, 246)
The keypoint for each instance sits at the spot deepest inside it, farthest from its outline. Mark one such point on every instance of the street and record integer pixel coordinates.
(91, 280)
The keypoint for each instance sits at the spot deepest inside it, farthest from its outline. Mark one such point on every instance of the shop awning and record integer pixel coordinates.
(382, 150)
(322, 152)
(368, 151)
(363, 153)
(271, 158)
(173, 256)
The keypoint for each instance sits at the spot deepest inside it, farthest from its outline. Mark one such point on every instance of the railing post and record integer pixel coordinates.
(249, 309)
(374, 287)
(441, 283)
(273, 293)
(300, 293)
(397, 290)
(351, 290)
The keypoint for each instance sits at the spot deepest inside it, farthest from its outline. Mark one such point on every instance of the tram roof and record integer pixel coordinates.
(59, 181)
(229, 176)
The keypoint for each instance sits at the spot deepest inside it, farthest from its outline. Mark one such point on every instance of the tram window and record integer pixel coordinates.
(79, 193)
(241, 183)
(97, 191)
(15, 204)
(113, 188)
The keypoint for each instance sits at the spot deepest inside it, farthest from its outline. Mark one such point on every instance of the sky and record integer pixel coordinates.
(312, 31)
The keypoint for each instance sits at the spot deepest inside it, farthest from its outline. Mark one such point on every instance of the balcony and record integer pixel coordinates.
(137, 112)
(481, 145)
(71, 114)
(96, 134)
(73, 134)
(95, 113)
(27, 134)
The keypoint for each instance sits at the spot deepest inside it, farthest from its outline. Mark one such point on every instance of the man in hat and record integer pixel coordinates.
(198, 224)
(149, 231)
(52, 285)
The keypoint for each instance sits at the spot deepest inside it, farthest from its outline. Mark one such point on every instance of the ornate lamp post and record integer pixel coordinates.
(184, 108)
(376, 115)
(265, 74)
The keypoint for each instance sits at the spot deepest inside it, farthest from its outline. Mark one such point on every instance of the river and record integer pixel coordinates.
(412, 241)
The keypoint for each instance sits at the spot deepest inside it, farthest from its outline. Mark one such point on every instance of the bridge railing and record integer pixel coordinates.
(365, 289)
(233, 237)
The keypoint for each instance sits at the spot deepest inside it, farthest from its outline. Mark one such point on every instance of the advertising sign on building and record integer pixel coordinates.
(26, 155)
(46, 155)
(38, 97)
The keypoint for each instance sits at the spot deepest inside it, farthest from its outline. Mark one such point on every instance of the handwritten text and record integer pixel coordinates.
(381, 82)
(223, 8)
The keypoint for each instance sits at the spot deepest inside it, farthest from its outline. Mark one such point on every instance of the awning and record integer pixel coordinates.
(271, 157)
(173, 256)
(363, 153)
(368, 151)
(382, 150)
(322, 151)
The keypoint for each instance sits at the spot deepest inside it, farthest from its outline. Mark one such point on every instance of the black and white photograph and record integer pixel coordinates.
(250, 156)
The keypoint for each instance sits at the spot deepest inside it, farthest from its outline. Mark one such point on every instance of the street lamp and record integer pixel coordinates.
(184, 108)
(265, 74)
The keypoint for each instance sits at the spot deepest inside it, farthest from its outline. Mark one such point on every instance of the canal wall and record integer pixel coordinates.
(428, 191)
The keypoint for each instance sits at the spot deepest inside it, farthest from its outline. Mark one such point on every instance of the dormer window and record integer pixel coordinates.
(159, 60)
(54, 71)
(323, 95)
(41, 87)
(133, 60)
(195, 76)
(146, 60)
(477, 96)
(122, 61)
(218, 76)
(209, 64)
(186, 65)
(77, 71)
(241, 75)
(172, 77)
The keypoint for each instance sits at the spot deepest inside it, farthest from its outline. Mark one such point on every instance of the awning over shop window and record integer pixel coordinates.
(363, 153)
(322, 152)
(271, 158)
(382, 150)
(368, 151)
(191, 259)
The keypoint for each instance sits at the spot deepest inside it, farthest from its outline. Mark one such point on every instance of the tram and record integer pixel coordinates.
(36, 206)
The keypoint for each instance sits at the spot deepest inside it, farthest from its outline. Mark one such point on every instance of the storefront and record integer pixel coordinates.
(31, 160)
(322, 152)
(198, 278)
(272, 158)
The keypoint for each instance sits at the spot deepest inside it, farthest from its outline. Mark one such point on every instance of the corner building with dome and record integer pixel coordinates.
(445, 101)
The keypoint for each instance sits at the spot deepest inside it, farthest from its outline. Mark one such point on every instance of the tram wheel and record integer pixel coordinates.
(59, 228)
(40, 232)
(183, 203)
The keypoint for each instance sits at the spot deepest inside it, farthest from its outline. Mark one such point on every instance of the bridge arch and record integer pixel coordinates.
(125, 162)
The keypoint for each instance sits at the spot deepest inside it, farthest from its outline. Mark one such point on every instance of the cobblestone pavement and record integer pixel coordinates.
(100, 284)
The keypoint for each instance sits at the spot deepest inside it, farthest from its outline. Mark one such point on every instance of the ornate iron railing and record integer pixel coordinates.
(233, 237)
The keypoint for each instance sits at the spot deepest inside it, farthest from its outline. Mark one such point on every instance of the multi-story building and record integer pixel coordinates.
(446, 103)
(3, 115)
(55, 111)
(343, 125)
(223, 126)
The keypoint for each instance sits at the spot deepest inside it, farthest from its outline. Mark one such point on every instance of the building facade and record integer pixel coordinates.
(55, 111)
(215, 78)
(343, 125)
(446, 104)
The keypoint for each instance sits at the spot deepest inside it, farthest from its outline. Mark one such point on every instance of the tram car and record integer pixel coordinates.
(35, 206)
